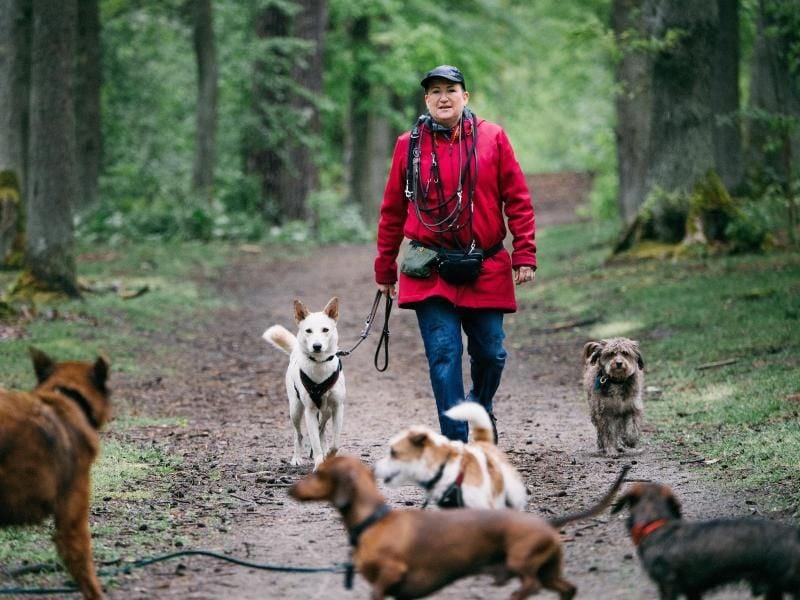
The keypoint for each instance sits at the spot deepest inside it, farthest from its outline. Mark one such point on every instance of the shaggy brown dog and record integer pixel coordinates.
(692, 558)
(48, 441)
(613, 377)
(412, 553)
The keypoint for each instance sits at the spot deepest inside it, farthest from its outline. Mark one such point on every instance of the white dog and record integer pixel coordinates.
(454, 474)
(314, 380)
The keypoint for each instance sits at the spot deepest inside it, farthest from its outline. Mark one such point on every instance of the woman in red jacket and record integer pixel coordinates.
(453, 179)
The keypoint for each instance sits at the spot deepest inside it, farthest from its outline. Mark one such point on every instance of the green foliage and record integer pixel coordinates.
(686, 314)
(541, 70)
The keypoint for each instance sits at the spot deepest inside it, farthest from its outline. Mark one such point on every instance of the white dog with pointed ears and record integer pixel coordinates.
(314, 380)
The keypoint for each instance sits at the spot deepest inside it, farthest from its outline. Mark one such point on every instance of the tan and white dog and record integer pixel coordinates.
(474, 475)
(314, 379)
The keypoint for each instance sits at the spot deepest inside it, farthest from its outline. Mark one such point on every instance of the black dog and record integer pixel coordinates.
(692, 558)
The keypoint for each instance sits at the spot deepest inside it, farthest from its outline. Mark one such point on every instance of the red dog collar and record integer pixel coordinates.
(642, 530)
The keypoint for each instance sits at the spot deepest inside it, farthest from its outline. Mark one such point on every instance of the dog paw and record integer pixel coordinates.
(296, 461)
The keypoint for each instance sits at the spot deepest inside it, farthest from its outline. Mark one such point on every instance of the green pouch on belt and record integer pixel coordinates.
(419, 261)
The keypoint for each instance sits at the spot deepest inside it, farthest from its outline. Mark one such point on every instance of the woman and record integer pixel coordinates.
(453, 179)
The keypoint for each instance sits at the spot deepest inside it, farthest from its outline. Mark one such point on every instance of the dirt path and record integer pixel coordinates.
(230, 493)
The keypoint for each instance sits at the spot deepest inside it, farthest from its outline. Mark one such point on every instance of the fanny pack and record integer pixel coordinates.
(455, 266)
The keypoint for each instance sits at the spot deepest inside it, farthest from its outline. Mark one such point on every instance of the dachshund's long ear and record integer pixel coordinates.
(591, 351)
(673, 503)
(344, 489)
(629, 498)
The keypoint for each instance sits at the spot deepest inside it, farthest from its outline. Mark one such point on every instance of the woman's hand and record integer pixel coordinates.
(523, 274)
(388, 289)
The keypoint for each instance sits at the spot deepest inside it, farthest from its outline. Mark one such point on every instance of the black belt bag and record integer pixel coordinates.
(459, 266)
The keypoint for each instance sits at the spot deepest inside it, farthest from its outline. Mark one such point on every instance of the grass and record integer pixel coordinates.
(128, 474)
(743, 417)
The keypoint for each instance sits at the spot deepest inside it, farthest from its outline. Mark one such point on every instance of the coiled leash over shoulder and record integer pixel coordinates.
(384, 339)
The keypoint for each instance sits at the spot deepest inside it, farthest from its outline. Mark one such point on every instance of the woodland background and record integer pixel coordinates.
(275, 119)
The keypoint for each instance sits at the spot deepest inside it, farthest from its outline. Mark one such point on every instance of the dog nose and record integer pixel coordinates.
(317, 347)
(618, 364)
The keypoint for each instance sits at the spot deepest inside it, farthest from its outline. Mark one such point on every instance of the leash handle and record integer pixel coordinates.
(367, 325)
(383, 341)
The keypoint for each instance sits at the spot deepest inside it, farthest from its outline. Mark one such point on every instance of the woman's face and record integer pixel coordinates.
(446, 101)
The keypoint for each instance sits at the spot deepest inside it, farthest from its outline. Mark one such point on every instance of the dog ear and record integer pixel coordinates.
(672, 502)
(300, 311)
(639, 359)
(43, 365)
(418, 439)
(344, 487)
(629, 498)
(100, 372)
(591, 351)
(332, 308)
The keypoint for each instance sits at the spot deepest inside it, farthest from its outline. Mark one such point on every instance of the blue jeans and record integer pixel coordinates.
(440, 324)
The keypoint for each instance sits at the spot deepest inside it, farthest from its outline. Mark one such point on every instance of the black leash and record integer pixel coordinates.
(340, 568)
(384, 339)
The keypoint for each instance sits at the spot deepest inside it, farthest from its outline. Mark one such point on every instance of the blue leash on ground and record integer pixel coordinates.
(338, 568)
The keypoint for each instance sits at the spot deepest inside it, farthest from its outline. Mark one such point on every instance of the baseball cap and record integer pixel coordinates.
(448, 72)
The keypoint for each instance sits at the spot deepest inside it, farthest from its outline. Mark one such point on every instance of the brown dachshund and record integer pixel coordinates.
(48, 441)
(692, 558)
(413, 553)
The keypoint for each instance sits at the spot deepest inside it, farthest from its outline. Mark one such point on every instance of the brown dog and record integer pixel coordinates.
(613, 377)
(48, 441)
(692, 558)
(413, 553)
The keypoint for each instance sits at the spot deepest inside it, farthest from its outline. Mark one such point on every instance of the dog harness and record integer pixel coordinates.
(642, 530)
(452, 496)
(317, 390)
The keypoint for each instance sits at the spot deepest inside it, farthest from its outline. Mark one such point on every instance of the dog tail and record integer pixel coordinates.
(479, 421)
(597, 508)
(281, 338)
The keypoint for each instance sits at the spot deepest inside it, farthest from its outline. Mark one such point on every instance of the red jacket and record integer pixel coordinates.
(500, 189)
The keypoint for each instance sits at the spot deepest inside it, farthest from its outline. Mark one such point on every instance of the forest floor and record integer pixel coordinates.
(229, 493)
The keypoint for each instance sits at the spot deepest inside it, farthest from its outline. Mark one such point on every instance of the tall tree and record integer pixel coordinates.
(49, 249)
(300, 175)
(680, 149)
(631, 21)
(286, 92)
(206, 136)
(725, 97)
(15, 26)
(87, 103)
(369, 134)
(774, 140)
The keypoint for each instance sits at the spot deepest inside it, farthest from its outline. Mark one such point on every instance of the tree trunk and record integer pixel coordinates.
(631, 21)
(775, 94)
(269, 133)
(725, 96)
(300, 176)
(358, 131)
(49, 251)
(286, 90)
(15, 28)
(681, 149)
(205, 52)
(87, 105)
